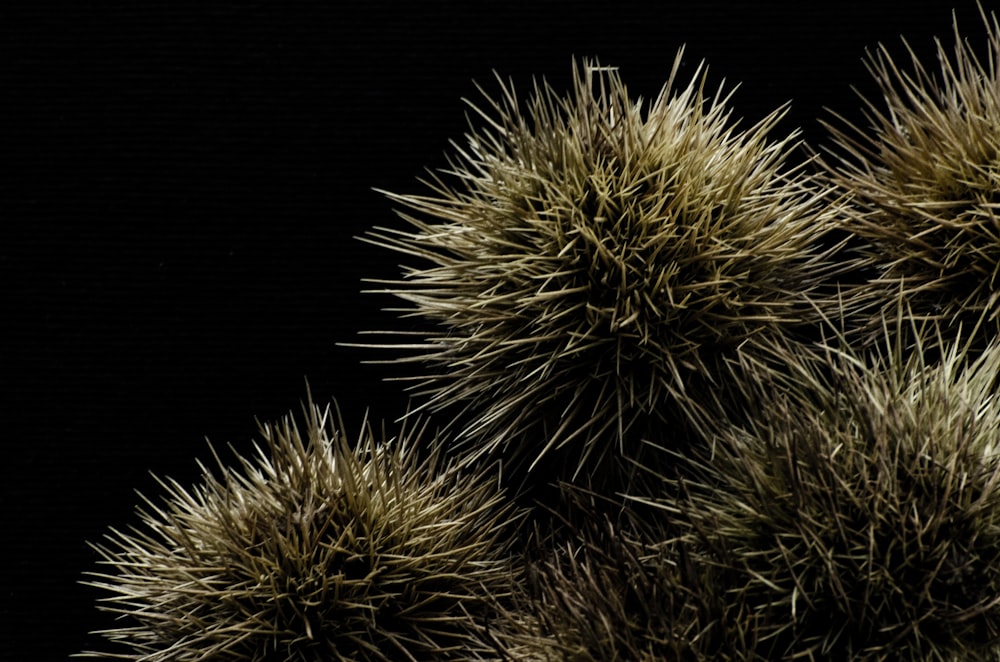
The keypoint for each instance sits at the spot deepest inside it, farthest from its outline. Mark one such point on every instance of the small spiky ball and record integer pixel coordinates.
(590, 262)
(925, 179)
(862, 511)
(313, 551)
(627, 591)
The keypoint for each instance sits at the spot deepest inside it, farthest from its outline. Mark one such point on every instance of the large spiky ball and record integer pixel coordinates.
(590, 262)
(925, 180)
(314, 550)
(862, 511)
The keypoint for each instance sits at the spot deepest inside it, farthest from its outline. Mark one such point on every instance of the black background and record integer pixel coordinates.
(181, 185)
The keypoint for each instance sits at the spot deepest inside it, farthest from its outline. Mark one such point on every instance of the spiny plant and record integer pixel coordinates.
(625, 589)
(925, 181)
(313, 551)
(589, 264)
(861, 510)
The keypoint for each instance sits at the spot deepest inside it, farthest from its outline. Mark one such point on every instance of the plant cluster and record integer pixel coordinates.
(761, 395)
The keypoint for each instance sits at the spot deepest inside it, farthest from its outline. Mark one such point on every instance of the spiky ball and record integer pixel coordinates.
(313, 551)
(862, 513)
(925, 178)
(624, 590)
(590, 262)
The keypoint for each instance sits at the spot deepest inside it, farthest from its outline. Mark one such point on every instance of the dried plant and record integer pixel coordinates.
(861, 510)
(925, 178)
(625, 588)
(590, 263)
(313, 551)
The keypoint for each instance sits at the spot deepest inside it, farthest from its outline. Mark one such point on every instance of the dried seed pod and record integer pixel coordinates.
(925, 181)
(861, 511)
(626, 588)
(591, 263)
(313, 551)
